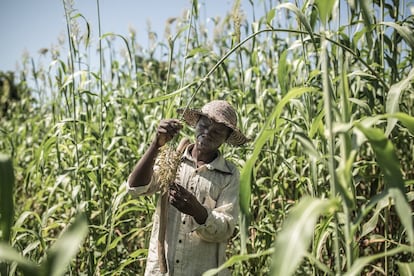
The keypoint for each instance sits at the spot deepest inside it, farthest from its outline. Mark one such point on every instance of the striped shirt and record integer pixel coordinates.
(192, 249)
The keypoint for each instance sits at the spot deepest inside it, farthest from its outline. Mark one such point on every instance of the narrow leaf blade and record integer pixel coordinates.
(293, 241)
(66, 247)
(390, 166)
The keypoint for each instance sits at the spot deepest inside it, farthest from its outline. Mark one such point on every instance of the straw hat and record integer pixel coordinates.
(221, 112)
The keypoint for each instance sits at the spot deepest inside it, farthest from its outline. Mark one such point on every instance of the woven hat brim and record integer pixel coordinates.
(191, 117)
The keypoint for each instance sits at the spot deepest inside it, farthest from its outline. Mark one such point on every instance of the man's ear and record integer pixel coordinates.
(230, 132)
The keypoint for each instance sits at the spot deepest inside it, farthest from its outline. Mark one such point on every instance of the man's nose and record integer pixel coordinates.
(207, 129)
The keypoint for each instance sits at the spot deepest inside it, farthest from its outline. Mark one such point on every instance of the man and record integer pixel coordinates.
(206, 199)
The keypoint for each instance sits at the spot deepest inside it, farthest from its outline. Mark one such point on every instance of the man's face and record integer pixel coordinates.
(210, 134)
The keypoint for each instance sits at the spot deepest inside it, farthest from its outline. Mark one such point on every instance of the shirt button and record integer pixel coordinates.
(180, 241)
(177, 261)
(183, 221)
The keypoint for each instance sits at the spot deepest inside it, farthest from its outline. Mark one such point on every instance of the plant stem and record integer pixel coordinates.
(101, 101)
(232, 50)
(187, 42)
(346, 148)
(72, 89)
(331, 144)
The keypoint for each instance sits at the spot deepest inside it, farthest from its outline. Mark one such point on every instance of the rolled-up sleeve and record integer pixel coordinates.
(222, 220)
(148, 189)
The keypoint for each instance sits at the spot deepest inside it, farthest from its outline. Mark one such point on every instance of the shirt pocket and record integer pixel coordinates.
(210, 188)
(209, 202)
(204, 194)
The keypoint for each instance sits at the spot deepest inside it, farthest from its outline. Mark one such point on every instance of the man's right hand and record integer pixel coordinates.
(167, 129)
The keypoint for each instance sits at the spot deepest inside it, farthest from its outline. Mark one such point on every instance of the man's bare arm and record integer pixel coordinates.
(143, 171)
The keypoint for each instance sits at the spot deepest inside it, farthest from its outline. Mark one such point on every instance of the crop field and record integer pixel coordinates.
(324, 89)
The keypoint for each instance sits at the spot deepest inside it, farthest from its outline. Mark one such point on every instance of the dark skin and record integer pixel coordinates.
(209, 134)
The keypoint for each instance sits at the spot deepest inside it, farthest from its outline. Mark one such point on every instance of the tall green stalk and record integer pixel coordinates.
(89, 240)
(327, 97)
(187, 43)
(346, 157)
(72, 88)
(171, 43)
(101, 98)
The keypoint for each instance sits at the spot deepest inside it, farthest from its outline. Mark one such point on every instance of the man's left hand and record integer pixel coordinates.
(187, 203)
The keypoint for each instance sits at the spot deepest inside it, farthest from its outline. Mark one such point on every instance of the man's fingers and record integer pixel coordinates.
(169, 128)
(171, 124)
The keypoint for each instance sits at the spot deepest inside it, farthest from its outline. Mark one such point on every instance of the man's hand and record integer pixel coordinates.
(167, 129)
(187, 203)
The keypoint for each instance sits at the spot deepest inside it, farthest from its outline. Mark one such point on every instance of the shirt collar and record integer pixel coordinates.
(218, 164)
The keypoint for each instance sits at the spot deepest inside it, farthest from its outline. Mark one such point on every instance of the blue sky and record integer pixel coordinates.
(29, 25)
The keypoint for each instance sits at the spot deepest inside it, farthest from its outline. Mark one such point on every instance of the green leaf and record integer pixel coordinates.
(297, 232)
(386, 157)
(283, 73)
(344, 177)
(404, 31)
(360, 263)
(390, 166)
(65, 248)
(6, 197)
(325, 8)
(367, 15)
(199, 50)
(10, 255)
(406, 269)
(265, 133)
(170, 95)
(371, 224)
(125, 41)
(114, 243)
(406, 120)
(237, 259)
(138, 253)
(404, 211)
(308, 146)
(317, 125)
(302, 18)
(393, 99)
(69, 80)
(270, 15)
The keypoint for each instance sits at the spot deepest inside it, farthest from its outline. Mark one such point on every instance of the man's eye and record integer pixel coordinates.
(221, 130)
(204, 123)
